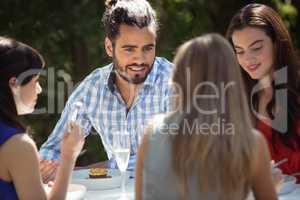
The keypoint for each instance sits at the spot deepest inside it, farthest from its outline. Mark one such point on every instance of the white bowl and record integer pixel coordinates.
(82, 177)
(288, 185)
(75, 191)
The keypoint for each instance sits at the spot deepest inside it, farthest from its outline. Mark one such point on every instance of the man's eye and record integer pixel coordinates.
(148, 48)
(129, 50)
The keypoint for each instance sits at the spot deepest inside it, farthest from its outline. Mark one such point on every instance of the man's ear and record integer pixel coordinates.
(108, 47)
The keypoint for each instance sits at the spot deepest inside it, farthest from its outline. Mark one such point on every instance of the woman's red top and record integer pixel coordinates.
(280, 151)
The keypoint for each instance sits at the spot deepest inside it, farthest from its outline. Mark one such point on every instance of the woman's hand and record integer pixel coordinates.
(72, 142)
(277, 177)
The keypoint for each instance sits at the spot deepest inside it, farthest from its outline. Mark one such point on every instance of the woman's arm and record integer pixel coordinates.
(142, 151)
(21, 160)
(262, 184)
(22, 163)
(71, 146)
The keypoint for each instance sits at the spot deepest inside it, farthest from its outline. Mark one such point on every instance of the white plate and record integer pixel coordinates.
(75, 191)
(82, 177)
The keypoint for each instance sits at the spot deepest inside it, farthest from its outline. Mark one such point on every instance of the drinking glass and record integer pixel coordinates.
(120, 146)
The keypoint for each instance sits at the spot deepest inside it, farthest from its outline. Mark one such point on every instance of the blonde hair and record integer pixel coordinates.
(221, 161)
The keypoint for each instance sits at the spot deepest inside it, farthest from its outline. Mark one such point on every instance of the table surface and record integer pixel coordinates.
(115, 193)
(295, 195)
(112, 194)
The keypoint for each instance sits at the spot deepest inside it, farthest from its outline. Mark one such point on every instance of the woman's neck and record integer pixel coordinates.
(266, 81)
(265, 95)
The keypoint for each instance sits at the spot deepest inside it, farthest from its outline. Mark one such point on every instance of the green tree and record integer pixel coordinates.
(69, 35)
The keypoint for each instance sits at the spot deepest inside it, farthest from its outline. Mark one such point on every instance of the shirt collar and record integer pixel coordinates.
(110, 77)
(150, 80)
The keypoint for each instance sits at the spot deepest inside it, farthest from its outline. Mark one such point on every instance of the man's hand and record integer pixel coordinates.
(48, 170)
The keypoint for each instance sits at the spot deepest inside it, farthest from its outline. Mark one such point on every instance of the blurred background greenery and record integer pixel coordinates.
(69, 35)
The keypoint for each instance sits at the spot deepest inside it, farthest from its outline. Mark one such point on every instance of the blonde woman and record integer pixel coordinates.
(207, 149)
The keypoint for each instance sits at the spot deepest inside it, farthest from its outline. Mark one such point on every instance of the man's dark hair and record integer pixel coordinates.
(129, 12)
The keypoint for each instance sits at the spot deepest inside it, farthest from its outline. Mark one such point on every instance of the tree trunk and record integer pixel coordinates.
(79, 52)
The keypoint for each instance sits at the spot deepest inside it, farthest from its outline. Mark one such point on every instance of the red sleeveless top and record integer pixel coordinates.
(279, 151)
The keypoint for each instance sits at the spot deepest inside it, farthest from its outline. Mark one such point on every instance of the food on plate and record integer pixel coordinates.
(98, 173)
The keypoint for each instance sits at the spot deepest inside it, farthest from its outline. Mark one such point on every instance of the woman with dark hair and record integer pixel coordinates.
(265, 52)
(183, 155)
(20, 178)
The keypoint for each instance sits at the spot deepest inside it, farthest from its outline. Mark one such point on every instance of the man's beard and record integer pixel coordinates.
(124, 74)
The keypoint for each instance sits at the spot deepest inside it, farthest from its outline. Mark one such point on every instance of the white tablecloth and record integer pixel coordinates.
(112, 194)
(115, 193)
(295, 195)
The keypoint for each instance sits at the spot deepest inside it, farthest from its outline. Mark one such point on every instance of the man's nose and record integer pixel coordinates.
(140, 58)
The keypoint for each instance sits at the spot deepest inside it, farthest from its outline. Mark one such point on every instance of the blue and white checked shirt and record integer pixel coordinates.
(104, 109)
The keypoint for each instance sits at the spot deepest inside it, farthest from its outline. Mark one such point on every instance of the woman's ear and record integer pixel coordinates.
(13, 84)
(108, 47)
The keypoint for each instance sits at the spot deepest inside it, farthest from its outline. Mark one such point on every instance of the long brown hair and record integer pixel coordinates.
(15, 58)
(221, 160)
(266, 19)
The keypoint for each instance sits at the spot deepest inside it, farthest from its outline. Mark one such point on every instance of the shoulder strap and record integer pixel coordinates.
(7, 132)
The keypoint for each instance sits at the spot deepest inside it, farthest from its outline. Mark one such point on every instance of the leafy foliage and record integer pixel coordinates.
(70, 36)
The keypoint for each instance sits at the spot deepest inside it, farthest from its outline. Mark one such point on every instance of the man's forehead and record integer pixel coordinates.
(133, 31)
(132, 35)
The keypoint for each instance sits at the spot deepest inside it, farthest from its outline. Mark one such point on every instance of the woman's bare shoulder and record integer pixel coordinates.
(18, 144)
(259, 138)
